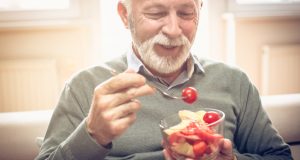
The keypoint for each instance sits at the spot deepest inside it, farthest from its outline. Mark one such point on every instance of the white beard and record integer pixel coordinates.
(163, 64)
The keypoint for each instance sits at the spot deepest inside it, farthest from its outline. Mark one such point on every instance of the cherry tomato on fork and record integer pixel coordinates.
(189, 95)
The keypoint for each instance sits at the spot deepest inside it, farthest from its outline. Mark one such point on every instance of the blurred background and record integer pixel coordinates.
(44, 42)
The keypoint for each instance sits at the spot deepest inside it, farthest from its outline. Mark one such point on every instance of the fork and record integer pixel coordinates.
(168, 95)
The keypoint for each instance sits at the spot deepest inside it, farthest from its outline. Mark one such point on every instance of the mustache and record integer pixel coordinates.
(166, 63)
(164, 40)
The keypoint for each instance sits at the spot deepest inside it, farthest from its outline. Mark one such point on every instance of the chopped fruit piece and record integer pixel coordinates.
(211, 116)
(200, 116)
(184, 149)
(177, 127)
(189, 95)
(207, 135)
(199, 148)
(176, 138)
(208, 150)
(191, 129)
(189, 115)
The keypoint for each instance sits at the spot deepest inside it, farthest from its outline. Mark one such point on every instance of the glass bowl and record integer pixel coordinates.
(188, 135)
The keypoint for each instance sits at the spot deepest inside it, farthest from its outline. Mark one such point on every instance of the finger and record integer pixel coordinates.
(167, 155)
(120, 82)
(134, 92)
(120, 125)
(226, 148)
(106, 102)
(140, 91)
(123, 110)
(117, 99)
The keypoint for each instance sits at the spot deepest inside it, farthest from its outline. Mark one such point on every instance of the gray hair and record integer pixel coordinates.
(127, 4)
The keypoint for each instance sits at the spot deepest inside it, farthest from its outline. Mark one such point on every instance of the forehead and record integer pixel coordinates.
(141, 3)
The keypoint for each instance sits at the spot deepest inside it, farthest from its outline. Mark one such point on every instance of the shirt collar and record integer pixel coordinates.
(133, 61)
(136, 64)
(193, 65)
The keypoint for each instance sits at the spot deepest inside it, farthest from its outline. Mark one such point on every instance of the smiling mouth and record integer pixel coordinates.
(169, 46)
(167, 49)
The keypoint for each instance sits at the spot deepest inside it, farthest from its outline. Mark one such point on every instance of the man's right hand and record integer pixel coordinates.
(114, 106)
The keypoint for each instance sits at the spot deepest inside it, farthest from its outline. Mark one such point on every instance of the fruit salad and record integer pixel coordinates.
(197, 136)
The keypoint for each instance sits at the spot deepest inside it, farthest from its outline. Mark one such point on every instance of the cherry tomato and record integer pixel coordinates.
(189, 95)
(211, 116)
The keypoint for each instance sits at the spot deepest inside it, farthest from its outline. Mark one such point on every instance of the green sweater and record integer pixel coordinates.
(221, 87)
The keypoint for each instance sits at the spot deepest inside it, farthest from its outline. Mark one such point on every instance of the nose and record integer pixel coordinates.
(172, 27)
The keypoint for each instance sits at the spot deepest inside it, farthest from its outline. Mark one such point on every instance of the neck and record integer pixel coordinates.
(170, 77)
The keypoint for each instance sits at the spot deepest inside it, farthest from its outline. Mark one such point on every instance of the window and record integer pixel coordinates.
(21, 5)
(21, 10)
(249, 8)
(265, 1)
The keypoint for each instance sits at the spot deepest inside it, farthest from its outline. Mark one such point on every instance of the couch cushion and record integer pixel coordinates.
(18, 132)
(284, 112)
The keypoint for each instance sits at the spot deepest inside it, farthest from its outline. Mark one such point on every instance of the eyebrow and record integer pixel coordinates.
(156, 5)
(188, 5)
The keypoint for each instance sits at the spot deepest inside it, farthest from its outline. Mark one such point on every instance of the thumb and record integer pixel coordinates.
(129, 70)
(167, 154)
(226, 148)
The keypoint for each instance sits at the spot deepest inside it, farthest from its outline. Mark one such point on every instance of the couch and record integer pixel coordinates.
(284, 111)
(19, 130)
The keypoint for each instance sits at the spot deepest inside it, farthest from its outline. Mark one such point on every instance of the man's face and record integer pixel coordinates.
(163, 31)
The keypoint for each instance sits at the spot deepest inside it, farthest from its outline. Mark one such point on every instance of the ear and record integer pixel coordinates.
(122, 10)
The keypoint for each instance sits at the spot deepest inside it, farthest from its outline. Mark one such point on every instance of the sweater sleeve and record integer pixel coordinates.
(66, 136)
(255, 137)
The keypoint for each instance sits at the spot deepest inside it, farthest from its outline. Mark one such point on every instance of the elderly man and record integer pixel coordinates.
(100, 116)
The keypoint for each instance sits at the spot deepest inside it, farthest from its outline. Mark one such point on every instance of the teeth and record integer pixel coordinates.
(169, 46)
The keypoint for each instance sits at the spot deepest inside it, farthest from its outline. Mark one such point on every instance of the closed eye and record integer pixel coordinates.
(186, 15)
(155, 15)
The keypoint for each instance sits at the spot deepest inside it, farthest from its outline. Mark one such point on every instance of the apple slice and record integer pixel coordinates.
(177, 127)
(189, 115)
(184, 149)
(201, 115)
